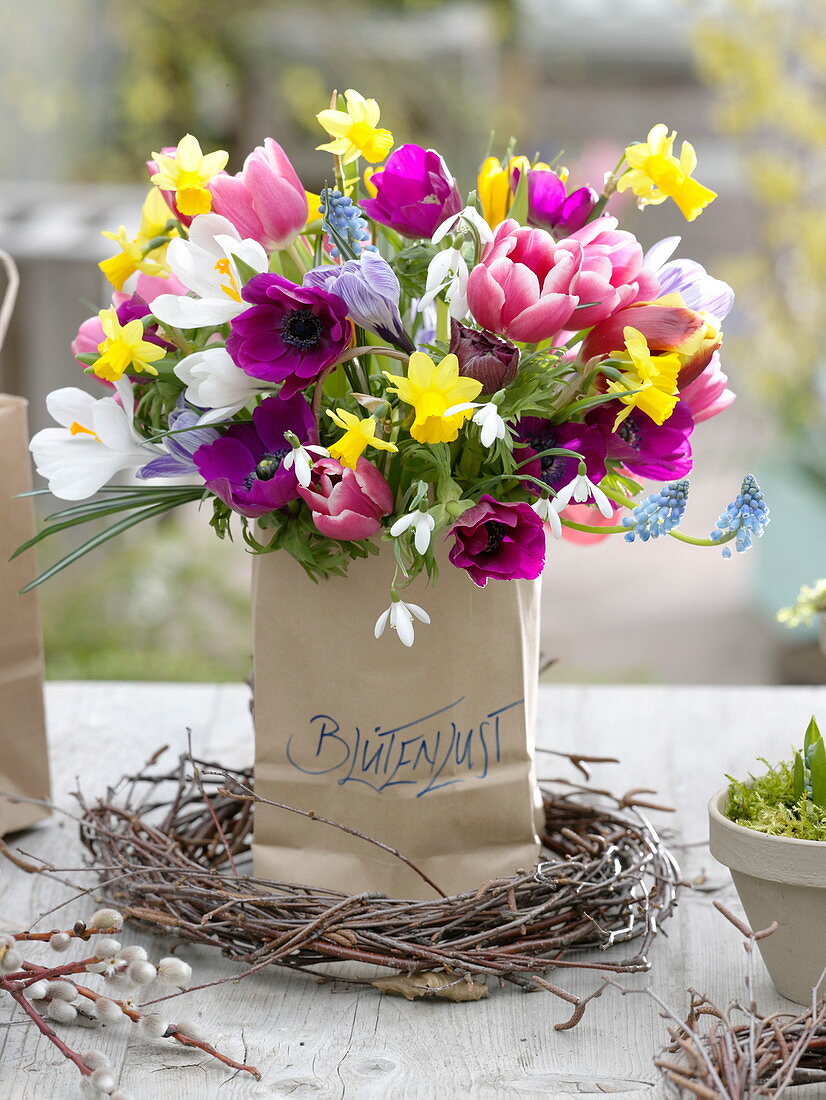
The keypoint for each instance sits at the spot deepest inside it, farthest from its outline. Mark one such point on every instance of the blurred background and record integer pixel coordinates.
(89, 87)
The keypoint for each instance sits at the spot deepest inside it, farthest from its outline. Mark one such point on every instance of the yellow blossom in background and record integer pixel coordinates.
(187, 173)
(358, 436)
(124, 347)
(355, 131)
(433, 389)
(653, 377)
(655, 174)
(493, 185)
(134, 253)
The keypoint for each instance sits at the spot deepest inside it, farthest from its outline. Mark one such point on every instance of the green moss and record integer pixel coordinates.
(767, 804)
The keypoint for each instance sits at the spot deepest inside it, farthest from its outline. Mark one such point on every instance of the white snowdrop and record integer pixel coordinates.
(546, 511)
(581, 489)
(400, 615)
(422, 524)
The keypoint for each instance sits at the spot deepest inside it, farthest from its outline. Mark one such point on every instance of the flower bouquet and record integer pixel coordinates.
(396, 385)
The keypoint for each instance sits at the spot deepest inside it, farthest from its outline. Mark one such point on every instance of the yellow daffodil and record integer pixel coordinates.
(656, 174)
(355, 131)
(188, 173)
(494, 185)
(358, 436)
(654, 377)
(433, 390)
(124, 347)
(134, 254)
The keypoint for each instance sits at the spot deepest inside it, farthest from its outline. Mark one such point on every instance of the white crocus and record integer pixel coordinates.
(206, 266)
(215, 383)
(471, 216)
(546, 511)
(301, 458)
(447, 274)
(422, 524)
(486, 418)
(580, 489)
(96, 440)
(400, 615)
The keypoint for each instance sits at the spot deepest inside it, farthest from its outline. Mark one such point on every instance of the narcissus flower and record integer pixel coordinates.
(134, 252)
(359, 434)
(355, 132)
(432, 390)
(656, 174)
(123, 347)
(652, 378)
(187, 173)
(494, 185)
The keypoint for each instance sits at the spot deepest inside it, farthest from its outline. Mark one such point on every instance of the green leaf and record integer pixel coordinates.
(799, 776)
(519, 206)
(245, 271)
(812, 734)
(817, 770)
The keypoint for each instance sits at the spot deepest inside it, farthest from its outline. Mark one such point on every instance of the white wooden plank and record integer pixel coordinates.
(333, 1042)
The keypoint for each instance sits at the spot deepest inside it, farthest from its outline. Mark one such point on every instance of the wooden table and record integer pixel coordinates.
(333, 1042)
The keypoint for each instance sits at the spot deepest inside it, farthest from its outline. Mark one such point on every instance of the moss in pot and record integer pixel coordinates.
(771, 832)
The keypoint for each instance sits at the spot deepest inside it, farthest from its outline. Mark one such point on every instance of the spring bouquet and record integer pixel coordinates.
(389, 362)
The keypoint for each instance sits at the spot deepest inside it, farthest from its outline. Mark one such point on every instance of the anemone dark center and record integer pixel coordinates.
(496, 532)
(301, 328)
(629, 433)
(266, 468)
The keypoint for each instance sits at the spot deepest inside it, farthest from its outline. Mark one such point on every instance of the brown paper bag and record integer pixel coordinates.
(24, 768)
(427, 749)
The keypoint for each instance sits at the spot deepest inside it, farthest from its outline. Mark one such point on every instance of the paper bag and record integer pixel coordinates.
(24, 768)
(427, 749)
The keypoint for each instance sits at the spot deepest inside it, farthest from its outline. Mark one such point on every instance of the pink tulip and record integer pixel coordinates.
(612, 275)
(666, 328)
(147, 287)
(708, 394)
(524, 288)
(266, 200)
(347, 504)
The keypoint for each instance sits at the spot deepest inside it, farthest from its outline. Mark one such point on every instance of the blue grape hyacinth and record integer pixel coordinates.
(341, 215)
(746, 517)
(659, 513)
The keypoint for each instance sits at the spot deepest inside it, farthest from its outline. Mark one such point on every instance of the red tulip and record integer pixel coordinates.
(347, 504)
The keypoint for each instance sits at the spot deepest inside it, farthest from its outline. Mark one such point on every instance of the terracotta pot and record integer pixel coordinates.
(778, 878)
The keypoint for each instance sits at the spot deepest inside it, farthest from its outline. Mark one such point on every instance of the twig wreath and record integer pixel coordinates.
(172, 850)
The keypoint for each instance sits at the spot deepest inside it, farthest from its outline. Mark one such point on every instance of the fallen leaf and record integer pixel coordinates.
(431, 983)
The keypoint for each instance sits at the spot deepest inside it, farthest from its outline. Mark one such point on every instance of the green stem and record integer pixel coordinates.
(627, 502)
(595, 530)
(608, 190)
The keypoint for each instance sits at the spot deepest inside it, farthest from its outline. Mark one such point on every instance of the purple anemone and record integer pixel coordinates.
(499, 541)
(538, 435)
(661, 452)
(415, 192)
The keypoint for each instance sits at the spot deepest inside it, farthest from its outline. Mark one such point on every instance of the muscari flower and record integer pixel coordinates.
(289, 334)
(655, 174)
(483, 356)
(341, 216)
(359, 434)
(400, 615)
(497, 540)
(213, 382)
(648, 382)
(244, 466)
(205, 264)
(433, 389)
(747, 515)
(659, 513)
(187, 173)
(371, 291)
(347, 504)
(355, 132)
(123, 348)
(414, 192)
(134, 254)
(186, 439)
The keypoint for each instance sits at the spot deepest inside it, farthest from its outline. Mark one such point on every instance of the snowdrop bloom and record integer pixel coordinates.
(447, 273)
(301, 458)
(546, 511)
(213, 382)
(205, 265)
(95, 441)
(422, 523)
(400, 616)
(472, 218)
(486, 417)
(579, 490)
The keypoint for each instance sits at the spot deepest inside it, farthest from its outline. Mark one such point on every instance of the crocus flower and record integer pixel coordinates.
(503, 541)
(698, 289)
(612, 274)
(661, 452)
(205, 264)
(244, 466)
(213, 382)
(355, 132)
(96, 440)
(265, 201)
(708, 394)
(289, 334)
(186, 172)
(482, 356)
(433, 389)
(181, 446)
(415, 192)
(347, 504)
(655, 174)
(400, 614)
(551, 207)
(359, 434)
(538, 435)
(524, 288)
(371, 291)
